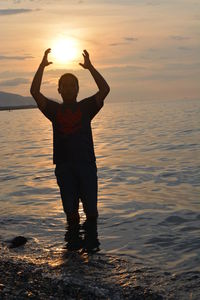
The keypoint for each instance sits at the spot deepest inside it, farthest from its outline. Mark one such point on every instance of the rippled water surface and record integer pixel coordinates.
(148, 157)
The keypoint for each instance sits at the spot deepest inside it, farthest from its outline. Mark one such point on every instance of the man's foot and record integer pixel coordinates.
(74, 244)
(91, 247)
(73, 238)
(90, 243)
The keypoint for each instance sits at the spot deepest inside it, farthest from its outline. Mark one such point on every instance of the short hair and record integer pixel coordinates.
(67, 76)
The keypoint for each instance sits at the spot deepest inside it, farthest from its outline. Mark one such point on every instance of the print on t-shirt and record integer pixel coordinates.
(67, 121)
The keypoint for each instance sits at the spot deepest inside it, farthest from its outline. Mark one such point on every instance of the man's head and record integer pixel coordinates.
(68, 87)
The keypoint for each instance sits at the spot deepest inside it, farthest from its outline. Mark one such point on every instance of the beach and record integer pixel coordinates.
(71, 275)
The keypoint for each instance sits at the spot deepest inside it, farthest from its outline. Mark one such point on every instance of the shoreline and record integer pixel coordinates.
(10, 108)
(26, 281)
(71, 275)
(58, 274)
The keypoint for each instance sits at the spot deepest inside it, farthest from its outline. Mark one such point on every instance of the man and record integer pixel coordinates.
(73, 149)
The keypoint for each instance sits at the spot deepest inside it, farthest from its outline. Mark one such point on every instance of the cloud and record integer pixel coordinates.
(5, 12)
(115, 2)
(7, 57)
(16, 74)
(47, 1)
(14, 82)
(179, 37)
(126, 40)
(153, 3)
(183, 66)
(196, 17)
(130, 39)
(116, 44)
(185, 48)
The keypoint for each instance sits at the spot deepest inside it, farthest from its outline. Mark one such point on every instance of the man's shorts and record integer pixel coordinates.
(78, 181)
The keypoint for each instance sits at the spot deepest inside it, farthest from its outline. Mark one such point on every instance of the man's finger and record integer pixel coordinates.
(86, 53)
(47, 51)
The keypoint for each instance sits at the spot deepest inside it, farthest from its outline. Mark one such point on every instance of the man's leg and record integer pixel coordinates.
(69, 190)
(88, 190)
(91, 242)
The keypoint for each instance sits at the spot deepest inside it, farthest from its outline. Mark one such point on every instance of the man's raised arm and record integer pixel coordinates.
(36, 83)
(102, 85)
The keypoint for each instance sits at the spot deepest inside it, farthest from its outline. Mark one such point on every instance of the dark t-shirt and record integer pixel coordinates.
(72, 134)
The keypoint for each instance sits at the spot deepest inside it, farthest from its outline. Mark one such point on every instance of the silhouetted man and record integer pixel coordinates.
(73, 149)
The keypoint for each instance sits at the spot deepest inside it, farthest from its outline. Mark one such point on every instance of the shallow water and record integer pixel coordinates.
(148, 157)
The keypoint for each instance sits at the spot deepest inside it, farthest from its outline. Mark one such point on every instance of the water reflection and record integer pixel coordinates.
(83, 237)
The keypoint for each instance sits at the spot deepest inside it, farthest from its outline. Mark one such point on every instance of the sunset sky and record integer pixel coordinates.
(146, 49)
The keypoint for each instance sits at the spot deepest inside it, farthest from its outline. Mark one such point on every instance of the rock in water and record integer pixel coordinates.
(18, 241)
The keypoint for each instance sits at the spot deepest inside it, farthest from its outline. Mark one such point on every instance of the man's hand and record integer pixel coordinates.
(45, 61)
(102, 85)
(87, 63)
(36, 83)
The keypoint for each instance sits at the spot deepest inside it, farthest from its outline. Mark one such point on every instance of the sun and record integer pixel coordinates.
(64, 50)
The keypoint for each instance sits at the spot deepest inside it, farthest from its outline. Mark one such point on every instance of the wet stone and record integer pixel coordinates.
(18, 241)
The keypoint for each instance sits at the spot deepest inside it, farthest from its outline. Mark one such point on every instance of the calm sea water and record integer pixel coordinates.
(148, 157)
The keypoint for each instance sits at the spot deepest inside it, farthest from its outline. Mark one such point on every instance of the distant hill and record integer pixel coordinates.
(11, 101)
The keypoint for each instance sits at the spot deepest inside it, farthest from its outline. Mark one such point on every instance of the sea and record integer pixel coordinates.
(148, 159)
